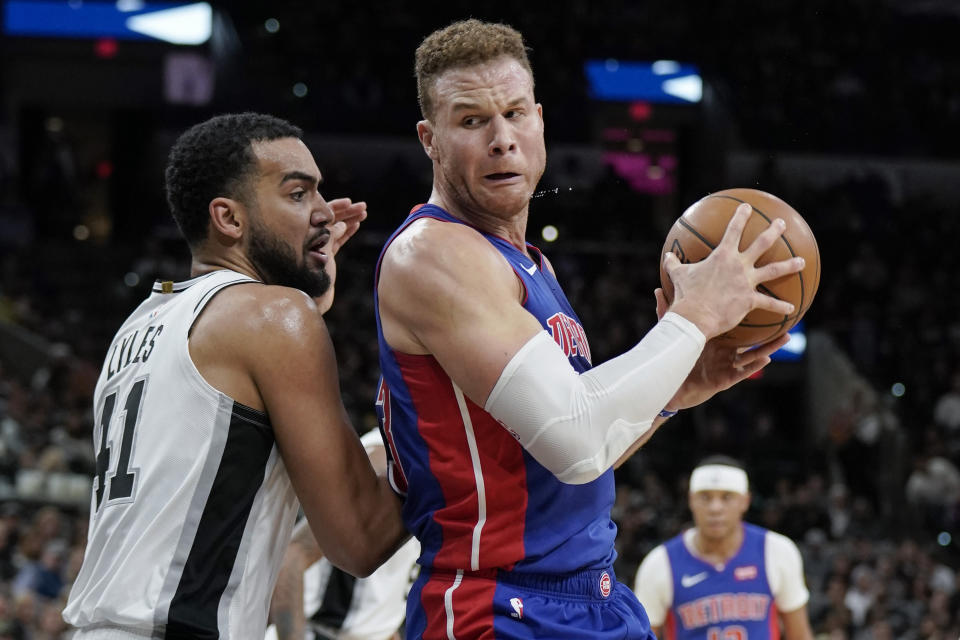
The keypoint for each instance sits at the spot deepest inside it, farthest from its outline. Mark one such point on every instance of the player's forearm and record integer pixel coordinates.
(578, 426)
(368, 534)
(286, 606)
(642, 440)
(796, 624)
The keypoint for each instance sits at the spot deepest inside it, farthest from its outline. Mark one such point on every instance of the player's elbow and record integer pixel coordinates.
(365, 551)
(581, 472)
(359, 563)
(577, 461)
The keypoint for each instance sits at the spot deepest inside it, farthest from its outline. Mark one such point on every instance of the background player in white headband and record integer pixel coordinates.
(724, 578)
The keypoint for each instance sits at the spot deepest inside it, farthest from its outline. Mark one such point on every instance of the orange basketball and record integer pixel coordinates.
(700, 228)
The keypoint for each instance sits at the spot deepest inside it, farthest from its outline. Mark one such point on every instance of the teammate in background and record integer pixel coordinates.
(502, 437)
(315, 600)
(724, 579)
(219, 404)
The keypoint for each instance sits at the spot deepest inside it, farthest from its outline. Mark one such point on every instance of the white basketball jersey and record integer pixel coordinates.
(192, 507)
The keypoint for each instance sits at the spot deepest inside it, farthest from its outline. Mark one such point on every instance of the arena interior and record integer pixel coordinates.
(849, 110)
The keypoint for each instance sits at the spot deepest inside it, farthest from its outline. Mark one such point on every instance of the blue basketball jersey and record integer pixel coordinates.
(474, 497)
(734, 603)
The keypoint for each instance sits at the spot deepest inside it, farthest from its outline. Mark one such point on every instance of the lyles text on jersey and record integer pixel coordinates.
(133, 348)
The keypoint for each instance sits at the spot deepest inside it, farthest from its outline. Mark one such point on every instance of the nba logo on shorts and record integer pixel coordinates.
(517, 605)
(605, 584)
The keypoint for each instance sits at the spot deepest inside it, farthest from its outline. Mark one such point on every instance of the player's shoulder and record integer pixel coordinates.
(654, 575)
(263, 304)
(779, 541)
(432, 252)
(433, 241)
(655, 559)
(251, 316)
(548, 265)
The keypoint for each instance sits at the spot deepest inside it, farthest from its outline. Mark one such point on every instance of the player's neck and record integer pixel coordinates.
(203, 263)
(513, 229)
(718, 551)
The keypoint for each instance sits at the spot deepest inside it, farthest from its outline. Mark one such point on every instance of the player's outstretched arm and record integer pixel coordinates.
(268, 347)
(445, 291)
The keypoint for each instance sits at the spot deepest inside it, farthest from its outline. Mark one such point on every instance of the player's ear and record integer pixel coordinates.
(425, 133)
(228, 218)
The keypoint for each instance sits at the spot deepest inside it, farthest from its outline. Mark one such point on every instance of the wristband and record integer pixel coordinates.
(666, 413)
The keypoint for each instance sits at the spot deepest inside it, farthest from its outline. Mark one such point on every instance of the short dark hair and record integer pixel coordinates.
(463, 44)
(214, 159)
(721, 459)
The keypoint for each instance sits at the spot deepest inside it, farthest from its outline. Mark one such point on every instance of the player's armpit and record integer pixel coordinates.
(352, 512)
(446, 291)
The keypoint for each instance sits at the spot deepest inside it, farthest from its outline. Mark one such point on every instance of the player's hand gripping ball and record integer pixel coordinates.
(695, 234)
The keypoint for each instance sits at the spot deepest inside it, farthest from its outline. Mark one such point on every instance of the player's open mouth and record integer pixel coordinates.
(501, 176)
(316, 247)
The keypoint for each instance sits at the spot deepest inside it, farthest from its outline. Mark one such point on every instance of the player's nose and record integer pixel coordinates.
(503, 138)
(322, 214)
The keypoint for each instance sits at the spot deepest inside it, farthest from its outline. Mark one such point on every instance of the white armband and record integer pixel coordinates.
(578, 425)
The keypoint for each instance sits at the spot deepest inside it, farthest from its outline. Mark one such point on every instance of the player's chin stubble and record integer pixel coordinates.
(278, 265)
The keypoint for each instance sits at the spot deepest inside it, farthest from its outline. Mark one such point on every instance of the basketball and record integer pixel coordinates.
(700, 228)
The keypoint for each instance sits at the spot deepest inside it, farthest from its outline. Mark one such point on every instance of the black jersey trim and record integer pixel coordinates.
(337, 598)
(243, 412)
(240, 474)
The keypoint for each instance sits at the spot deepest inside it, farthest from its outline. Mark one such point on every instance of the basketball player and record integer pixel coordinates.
(503, 438)
(724, 579)
(218, 404)
(317, 601)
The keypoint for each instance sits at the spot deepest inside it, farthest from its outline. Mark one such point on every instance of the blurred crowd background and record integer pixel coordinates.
(849, 110)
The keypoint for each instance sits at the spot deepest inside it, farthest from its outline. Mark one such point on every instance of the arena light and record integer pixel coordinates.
(190, 24)
(795, 347)
(689, 88)
(178, 23)
(662, 81)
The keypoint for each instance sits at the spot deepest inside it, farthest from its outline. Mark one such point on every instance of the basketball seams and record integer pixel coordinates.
(710, 217)
(803, 289)
(686, 225)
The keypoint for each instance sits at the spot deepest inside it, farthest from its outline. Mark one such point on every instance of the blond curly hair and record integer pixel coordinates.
(464, 44)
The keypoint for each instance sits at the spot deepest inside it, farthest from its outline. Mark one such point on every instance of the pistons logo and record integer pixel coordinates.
(569, 335)
(605, 584)
(748, 572)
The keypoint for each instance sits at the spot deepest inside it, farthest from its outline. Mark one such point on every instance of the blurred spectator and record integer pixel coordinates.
(933, 488)
(946, 412)
(861, 594)
(43, 575)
